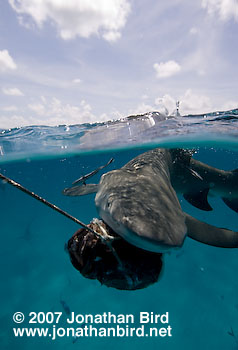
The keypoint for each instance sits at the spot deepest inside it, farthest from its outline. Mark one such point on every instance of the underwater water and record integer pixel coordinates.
(199, 284)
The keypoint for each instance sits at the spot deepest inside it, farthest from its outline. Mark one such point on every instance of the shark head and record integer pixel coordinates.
(142, 209)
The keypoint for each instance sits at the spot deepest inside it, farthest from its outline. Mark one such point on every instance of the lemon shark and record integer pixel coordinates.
(139, 201)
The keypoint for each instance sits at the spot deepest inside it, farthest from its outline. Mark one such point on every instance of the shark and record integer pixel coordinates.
(139, 201)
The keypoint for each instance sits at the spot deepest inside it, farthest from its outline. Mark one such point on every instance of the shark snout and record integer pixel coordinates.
(109, 210)
(142, 209)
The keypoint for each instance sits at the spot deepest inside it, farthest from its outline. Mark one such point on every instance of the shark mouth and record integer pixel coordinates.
(123, 226)
(124, 266)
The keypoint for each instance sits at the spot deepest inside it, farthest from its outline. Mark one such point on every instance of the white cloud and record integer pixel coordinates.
(228, 105)
(112, 36)
(225, 8)
(193, 103)
(165, 104)
(13, 121)
(74, 18)
(10, 109)
(141, 109)
(190, 103)
(77, 81)
(145, 97)
(55, 112)
(166, 69)
(193, 31)
(50, 112)
(6, 61)
(12, 92)
(38, 108)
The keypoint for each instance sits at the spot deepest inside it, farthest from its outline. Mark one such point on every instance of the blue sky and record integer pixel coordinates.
(77, 61)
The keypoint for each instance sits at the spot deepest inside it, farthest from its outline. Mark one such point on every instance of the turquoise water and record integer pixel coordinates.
(199, 283)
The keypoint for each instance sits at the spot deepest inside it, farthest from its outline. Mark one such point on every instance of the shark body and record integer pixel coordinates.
(139, 200)
(196, 180)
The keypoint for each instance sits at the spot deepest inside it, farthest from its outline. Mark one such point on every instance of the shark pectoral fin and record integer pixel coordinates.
(209, 234)
(80, 190)
(199, 199)
(231, 203)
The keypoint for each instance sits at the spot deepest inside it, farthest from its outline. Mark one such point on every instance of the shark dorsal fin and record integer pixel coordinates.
(181, 156)
(80, 188)
(83, 178)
